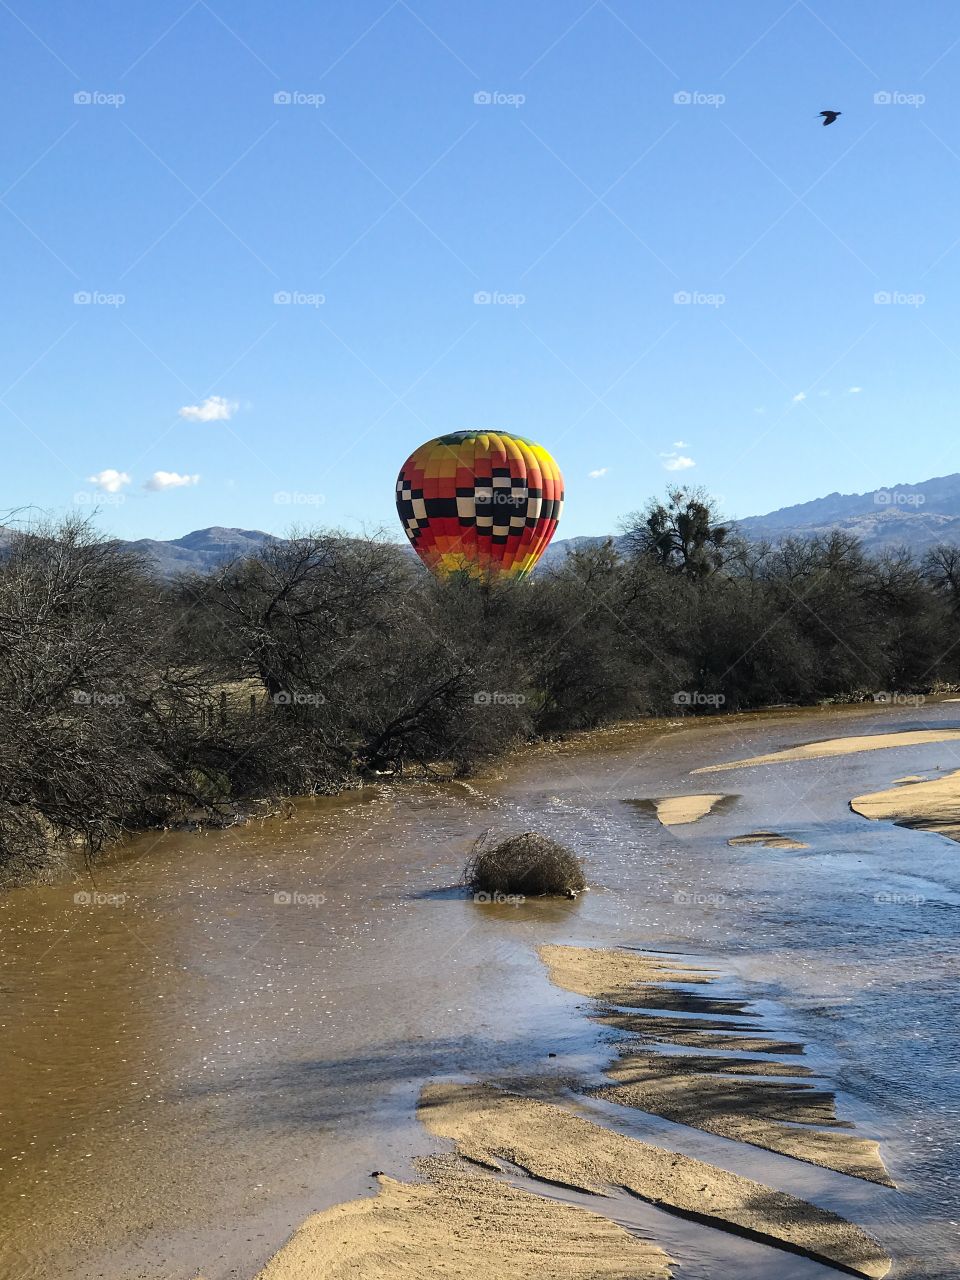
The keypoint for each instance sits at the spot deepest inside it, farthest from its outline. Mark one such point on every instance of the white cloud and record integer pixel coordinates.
(109, 481)
(799, 397)
(600, 471)
(169, 480)
(855, 391)
(680, 444)
(213, 409)
(677, 462)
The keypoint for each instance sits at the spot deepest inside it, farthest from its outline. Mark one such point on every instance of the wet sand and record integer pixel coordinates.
(832, 747)
(696, 1090)
(769, 840)
(696, 1033)
(458, 1223)
(760, 1113)
(556, 1146)
(461, 1224)
(613, 974)
(925, 806)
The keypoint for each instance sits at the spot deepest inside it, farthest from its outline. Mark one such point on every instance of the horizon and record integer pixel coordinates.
(396, 535)
(309, 247)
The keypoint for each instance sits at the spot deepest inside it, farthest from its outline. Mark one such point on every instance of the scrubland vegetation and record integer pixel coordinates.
(127, 702)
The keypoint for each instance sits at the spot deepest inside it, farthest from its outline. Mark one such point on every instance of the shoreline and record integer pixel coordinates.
(70, 861)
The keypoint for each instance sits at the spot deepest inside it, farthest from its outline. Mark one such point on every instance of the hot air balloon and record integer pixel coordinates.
(481, 502)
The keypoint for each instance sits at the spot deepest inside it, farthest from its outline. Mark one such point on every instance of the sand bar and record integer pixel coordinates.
(706, 1094)
(840, 747)
(459, 1224)
(697, 1033)
(677, 811)
(926, 806)
(632, 979)
(548, 1142)
(598, 971)
(769, 839)
(767, 1113)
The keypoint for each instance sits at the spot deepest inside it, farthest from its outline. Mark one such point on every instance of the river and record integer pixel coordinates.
(221, 1032)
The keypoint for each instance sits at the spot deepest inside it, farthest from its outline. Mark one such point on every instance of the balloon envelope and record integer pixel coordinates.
(481, 502)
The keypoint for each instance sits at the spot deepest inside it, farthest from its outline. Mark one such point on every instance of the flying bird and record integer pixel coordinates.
(830, 116)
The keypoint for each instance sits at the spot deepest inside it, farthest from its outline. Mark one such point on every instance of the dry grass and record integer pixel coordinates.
(527, 864)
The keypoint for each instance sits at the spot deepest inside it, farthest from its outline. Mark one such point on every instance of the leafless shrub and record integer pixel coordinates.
(529, 864)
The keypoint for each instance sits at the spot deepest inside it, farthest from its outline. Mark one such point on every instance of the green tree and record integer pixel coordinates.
(683, 534)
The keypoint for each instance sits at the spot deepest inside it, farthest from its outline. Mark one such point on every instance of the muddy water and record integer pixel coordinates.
(223, 1032)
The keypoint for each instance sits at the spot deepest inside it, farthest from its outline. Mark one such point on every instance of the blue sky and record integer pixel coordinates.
(578, 192)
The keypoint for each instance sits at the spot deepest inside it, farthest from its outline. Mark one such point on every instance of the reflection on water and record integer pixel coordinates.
(230, 1030)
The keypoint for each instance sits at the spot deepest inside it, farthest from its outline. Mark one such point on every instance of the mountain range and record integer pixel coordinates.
(912, 515)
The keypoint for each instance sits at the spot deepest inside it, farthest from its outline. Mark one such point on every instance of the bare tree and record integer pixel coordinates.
(941, 567)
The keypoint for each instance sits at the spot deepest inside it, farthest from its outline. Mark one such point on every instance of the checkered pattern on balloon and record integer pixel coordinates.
(484, 503)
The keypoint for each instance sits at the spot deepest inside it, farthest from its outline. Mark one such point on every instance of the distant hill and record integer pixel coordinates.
(914, 515)
(202, 549)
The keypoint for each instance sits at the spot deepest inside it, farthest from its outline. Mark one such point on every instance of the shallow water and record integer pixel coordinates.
(231, 1030)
